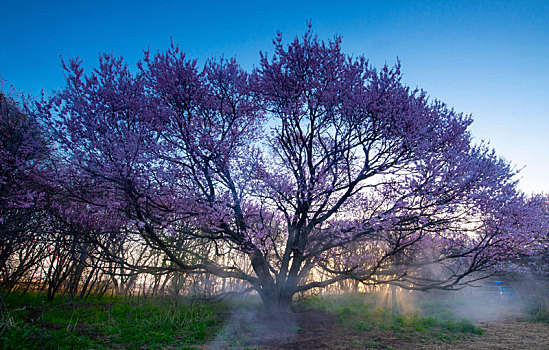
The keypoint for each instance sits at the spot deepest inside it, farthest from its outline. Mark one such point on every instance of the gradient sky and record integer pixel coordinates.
(485, 58)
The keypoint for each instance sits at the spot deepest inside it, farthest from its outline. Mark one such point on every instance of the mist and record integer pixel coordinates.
(248, 324)
(500, 299)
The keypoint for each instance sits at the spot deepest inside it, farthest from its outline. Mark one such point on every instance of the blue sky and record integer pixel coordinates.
(486, 58)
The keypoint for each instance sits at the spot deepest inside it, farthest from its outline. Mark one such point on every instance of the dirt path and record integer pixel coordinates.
(319, 330)
(505, 335)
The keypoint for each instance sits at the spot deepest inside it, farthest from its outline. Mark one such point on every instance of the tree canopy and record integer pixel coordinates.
(313, 168)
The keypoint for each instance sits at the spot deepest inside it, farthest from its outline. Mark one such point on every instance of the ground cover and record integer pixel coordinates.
(31, 322)
(353, 321)
(344, 322)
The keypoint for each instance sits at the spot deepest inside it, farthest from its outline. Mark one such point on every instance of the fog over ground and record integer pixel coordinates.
(482, 303)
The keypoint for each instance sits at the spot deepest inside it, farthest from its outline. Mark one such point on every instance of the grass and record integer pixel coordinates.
(31, 322)
(540, 316)
(538, 312)
(362, 312)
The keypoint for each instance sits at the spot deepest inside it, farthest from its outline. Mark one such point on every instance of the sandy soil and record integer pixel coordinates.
(319, 330)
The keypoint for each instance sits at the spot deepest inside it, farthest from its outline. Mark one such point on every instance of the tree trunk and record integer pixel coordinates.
(276, 299)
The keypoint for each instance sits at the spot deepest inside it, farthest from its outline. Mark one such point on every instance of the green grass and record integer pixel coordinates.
(540, 316)
(31, 322)
(362, 312)
(538, 312)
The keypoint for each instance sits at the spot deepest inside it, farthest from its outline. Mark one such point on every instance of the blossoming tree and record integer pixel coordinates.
(312, 169)
(23, 152)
